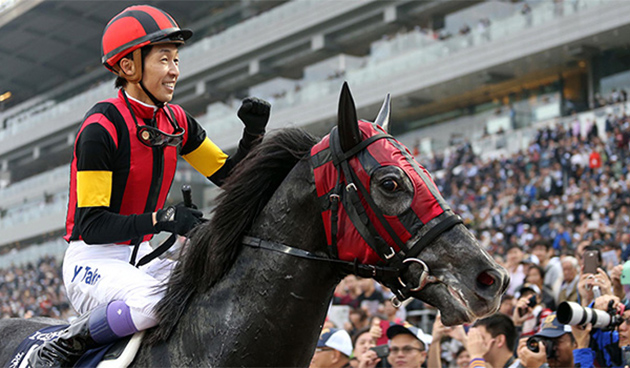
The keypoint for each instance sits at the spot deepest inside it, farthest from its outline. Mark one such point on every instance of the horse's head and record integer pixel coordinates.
(383, 212)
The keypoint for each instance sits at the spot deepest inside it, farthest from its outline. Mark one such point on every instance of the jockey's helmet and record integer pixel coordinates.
(133, 28)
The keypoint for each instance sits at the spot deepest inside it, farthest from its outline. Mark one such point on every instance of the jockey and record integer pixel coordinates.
(124, 161)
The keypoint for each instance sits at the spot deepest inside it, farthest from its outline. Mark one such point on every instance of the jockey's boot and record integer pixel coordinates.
(100, 326)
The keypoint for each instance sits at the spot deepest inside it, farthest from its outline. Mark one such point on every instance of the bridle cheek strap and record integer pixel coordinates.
(393, 263)
(357, 214)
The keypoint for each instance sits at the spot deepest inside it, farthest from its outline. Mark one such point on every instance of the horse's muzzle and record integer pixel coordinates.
(491, 283)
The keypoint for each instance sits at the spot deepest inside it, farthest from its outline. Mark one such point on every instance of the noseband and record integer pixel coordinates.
(392, 264)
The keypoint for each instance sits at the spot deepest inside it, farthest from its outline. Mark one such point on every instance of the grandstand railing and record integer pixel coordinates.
(55, 248)
(49, 182)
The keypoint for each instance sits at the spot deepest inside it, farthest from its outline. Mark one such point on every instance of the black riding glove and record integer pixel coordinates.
(177, 219)
(254, 113)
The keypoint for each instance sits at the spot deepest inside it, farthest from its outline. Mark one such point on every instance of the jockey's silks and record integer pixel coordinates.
(113, 173)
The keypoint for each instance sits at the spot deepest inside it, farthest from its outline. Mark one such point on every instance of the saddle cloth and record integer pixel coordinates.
(115, 355)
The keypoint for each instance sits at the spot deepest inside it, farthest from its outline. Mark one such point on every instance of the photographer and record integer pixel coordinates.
(529, 312)
(607, 314)
(591, 282)
(555, 346)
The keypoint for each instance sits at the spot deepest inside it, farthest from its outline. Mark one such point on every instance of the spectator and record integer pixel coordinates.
(535, 276)
(462, 358)
(362, 356)
(439, 332)
(34, 290)
(588, 281)
(570, 278)
(605, 345)
(407, 346)
(527, 315)
(358, 320)
(625, 244)
(333, 350)
(544, 251)
(514, 265)
(370, 298)
(348, 292)
(498, 335)
(507, 305)
(565, 352)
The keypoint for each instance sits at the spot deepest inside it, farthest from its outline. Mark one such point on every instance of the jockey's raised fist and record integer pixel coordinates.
(254, 113)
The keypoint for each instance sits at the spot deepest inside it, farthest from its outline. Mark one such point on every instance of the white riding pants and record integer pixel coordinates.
(101, 273)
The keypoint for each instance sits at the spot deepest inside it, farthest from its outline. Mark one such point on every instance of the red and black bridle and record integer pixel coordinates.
(349, 196)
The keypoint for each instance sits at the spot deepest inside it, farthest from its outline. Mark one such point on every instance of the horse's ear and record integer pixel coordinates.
(349, 133)
(382, 118)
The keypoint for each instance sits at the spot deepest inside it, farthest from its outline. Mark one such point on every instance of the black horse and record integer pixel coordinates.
(254, 284)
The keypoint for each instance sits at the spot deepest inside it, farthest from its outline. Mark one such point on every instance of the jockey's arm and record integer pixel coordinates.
(208, 159)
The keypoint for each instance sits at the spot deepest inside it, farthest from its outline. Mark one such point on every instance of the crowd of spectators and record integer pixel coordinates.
(34, 290)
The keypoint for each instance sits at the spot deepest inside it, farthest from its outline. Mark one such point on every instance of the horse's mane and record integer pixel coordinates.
(213, 247)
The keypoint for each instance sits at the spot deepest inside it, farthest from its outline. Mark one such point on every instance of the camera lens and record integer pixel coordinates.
(532, 344)
(570, 313)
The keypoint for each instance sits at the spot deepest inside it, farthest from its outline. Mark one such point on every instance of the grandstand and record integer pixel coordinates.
(484, 71)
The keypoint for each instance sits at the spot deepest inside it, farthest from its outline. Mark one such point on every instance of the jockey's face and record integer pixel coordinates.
(160, 74)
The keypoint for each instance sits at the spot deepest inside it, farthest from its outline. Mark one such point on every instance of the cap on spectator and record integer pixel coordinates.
(531, 259)
(409, 329)
(552, 328)
(336, 339)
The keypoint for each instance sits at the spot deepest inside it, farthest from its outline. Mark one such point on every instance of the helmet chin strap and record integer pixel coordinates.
(137, 76)
(156, 102)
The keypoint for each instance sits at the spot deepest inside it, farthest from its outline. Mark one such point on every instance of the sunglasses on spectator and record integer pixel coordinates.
(405, 349)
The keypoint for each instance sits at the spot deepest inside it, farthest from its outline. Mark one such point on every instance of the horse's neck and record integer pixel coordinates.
(268, 309)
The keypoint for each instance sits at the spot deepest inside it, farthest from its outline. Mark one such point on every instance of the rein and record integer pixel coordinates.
(356, 268)
(393, 263)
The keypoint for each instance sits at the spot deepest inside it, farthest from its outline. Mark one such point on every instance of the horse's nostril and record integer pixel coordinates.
(485, 279)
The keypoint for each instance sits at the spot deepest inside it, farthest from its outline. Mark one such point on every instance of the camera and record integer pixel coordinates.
(570, 313)
(532, 344)
(382, 351)
(531, 303)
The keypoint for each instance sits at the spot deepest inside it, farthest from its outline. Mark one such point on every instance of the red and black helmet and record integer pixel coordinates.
(136, 27)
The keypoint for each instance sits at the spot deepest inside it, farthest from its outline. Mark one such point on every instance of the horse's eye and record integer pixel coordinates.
(390, 185)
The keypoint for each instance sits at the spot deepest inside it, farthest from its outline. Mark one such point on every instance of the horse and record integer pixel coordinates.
(253, 285)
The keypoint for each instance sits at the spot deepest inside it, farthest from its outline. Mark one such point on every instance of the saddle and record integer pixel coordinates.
(115, 355)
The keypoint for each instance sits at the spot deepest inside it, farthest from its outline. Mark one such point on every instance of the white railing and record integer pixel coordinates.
(34, 210)
(38, 183)
(55, 248)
